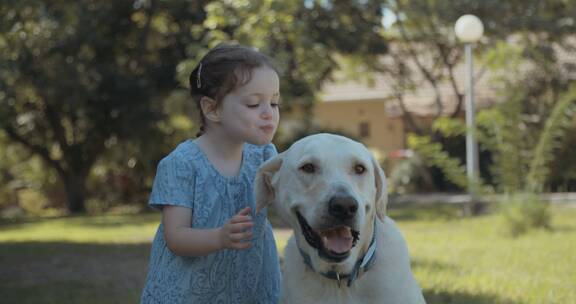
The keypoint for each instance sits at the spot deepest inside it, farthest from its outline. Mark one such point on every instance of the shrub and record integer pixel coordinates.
(522, 212)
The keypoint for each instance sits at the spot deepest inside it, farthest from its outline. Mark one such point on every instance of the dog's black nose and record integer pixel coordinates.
(342, 207)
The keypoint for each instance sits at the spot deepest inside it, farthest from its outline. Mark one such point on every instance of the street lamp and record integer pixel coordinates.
(469, 29)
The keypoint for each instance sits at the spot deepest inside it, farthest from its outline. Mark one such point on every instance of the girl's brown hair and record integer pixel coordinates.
(223, 69)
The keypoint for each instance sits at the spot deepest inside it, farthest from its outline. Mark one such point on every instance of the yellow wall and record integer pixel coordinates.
(385, 133)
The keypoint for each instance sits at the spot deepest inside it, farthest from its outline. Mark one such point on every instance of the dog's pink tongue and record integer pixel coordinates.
(338, 240)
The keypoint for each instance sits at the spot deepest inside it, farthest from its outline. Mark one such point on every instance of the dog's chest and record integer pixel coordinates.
(315, 293)
(301, 285)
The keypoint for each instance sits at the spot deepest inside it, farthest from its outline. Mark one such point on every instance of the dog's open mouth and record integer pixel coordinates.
(333, 244)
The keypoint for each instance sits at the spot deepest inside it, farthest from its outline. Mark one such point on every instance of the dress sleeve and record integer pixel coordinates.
(269, 151)
(173, 184)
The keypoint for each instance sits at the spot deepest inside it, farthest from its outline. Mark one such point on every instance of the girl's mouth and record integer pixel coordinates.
(267, 129)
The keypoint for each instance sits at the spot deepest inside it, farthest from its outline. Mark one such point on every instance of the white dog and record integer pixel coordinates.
(345, 249)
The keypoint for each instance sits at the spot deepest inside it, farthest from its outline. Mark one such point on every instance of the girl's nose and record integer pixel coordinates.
(267, 111)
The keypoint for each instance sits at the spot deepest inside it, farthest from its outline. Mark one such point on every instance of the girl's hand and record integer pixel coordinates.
(236, 232)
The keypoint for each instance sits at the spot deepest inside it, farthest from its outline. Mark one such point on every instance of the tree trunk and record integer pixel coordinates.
(75, 187)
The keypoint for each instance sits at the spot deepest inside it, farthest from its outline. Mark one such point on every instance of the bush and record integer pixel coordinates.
(410, 176)
(523, 212)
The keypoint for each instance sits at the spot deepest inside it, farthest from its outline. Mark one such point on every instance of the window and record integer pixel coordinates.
(364, 129)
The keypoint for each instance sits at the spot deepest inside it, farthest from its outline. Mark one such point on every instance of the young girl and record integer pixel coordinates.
(211, 247)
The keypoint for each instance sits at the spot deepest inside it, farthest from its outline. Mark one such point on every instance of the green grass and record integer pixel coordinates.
(99, 259)
(103, 259)
(83, 229)
(469, 261)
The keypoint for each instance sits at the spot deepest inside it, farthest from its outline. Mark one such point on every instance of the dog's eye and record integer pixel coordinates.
(308, 168)
(359, 169)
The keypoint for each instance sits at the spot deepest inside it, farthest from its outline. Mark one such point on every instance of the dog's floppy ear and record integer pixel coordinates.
(381, 190)
(263, 188)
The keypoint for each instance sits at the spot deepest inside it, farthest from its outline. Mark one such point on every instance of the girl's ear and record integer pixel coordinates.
(210, 109)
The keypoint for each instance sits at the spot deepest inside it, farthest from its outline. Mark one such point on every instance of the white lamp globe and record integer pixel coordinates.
(469, 28)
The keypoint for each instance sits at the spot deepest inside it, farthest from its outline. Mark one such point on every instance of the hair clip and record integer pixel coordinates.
(198, 82)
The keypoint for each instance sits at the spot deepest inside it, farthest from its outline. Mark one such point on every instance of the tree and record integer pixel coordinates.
(425, 52)
(76, 76)
(304, 37)
(521, 160)
(81, 81)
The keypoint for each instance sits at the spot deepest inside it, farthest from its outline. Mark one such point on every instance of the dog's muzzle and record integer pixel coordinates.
(333, 243)
(343, 207)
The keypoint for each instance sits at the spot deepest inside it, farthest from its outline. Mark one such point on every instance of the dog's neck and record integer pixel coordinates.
(361, 266)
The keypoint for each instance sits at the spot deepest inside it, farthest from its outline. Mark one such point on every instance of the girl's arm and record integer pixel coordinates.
(186, 241)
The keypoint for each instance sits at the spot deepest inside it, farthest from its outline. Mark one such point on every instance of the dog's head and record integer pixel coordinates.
(329, 189)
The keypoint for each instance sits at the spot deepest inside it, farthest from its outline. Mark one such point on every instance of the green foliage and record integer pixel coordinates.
(563, 166)
(433, 154)
(424, 51)
(7, 196)
(410, 176)
(305, 38)
(499, 131)
(504, 56)
(526, 58)
(522, 153)
(90, 87)
(518, 164)
(24, 182)
(76, 75)
(557, 126)
(522, 212)
(524, 133)
(97, 89)
(449, 127)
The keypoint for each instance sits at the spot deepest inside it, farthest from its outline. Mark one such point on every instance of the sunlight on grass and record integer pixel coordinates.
(281, 236)
(455, 260)
(85, 229)
(468, 256)
(467, 260)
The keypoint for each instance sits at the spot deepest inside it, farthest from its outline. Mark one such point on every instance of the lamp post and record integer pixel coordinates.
(469, 29)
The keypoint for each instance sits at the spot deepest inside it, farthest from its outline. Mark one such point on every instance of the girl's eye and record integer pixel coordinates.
(256, 105)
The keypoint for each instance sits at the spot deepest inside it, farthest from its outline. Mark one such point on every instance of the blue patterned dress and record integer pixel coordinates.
(186, 178)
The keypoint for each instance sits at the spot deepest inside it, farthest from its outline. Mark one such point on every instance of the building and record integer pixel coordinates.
(372, 113)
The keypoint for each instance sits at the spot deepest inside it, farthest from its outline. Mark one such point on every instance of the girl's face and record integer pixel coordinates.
(250, 113)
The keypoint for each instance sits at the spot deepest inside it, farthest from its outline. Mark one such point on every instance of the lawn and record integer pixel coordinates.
(103, 259)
